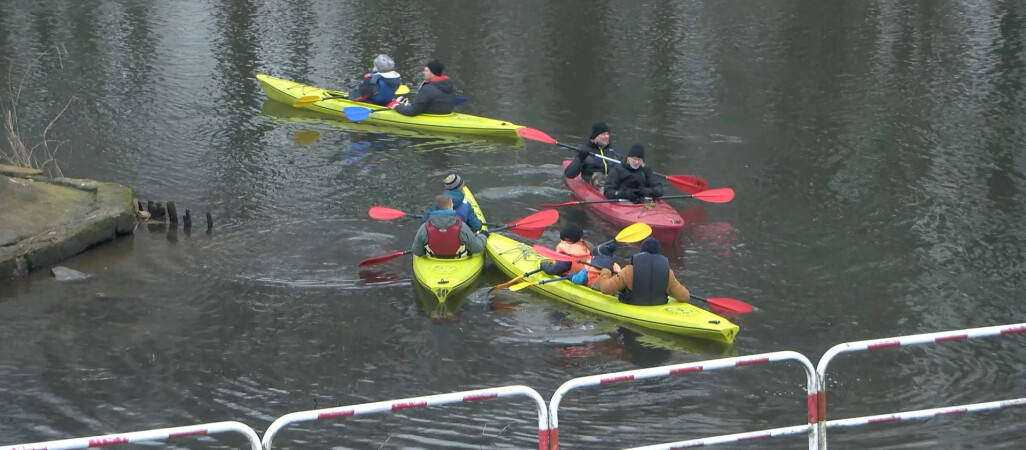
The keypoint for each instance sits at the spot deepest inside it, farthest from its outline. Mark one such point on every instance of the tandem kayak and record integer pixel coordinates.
(446, 277)
(666, 223)
(515, 258)
(288, 92)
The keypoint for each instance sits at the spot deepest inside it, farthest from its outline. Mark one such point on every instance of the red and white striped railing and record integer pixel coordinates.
(702, 366)
(416, 402)
(162, 434)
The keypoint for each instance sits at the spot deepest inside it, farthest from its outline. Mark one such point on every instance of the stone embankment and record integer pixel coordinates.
(43, 221)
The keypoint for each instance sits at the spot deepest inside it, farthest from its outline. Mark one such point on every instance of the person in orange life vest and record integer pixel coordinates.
(631, 180)
(436, 95)
(378, 86)
(601, 256)
(646, 281)
(454, 188)
(588, 165)
(570, 243)
(446, 236)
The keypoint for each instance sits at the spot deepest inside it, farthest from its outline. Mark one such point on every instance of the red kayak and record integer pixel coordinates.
(663, 218)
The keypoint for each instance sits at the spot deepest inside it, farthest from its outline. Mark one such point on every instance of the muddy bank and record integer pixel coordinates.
(43, 221)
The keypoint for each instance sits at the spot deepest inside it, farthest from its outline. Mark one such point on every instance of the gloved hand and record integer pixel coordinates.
(628, 194)
(603, 262)
(580, 277)
(645, 192)
(582, 154)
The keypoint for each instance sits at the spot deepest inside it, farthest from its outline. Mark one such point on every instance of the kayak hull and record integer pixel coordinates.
(286, 91)
(445, 278)
(515, 258)
(664, 219)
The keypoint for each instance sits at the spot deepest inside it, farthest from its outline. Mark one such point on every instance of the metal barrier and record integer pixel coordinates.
(162, 434)
(905, 341)
(416, 402)
(702, 366)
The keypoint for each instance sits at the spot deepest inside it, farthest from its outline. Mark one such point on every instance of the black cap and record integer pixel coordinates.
(435, 67)
(637, 151)
(572, 233)
(598, 129)
(650, 245)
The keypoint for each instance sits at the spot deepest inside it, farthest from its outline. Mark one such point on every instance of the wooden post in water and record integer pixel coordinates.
(172, 213)
(187, 220)
(210, 221)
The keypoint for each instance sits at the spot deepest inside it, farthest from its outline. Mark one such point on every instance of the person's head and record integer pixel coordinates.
(600, 134)
(433, 69)
(443, 202)
(650, 245)
(571, 233)
(453, 182)
(636, 156)
(604, 249)
(383, 63)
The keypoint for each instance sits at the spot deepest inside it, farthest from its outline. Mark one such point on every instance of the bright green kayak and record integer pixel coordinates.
(447, 277)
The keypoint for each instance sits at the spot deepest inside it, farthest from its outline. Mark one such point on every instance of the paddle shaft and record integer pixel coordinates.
(617, 161)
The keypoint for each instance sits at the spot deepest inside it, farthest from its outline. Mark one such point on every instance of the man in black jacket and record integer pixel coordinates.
(588, 161)
(437, 94)
(631, 180)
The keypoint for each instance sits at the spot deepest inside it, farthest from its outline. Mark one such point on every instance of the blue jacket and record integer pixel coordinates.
(463, 210)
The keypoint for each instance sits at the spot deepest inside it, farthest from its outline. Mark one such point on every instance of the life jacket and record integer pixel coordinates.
(445, 242)
(577, 250)
(463, 211)
(651, 278)
(594, 272)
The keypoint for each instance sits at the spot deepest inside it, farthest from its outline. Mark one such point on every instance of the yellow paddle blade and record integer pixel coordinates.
(403, 89)
(303, 102)
(519, 286)
(634, 232)
(499, 287)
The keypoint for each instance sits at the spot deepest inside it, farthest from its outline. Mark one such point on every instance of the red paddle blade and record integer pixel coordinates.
(729, 305)
(540, 219)
(382, 213)
(688, 183)
(535, 135)
(380, 259)
(721, 195)
(552, 254)
(529, 233)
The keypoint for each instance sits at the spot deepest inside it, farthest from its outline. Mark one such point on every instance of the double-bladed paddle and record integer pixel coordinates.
(381, 259)
(360, 113)
(686, 183)
(303, 102)
(631, 233)
(719, 195)
(519, 286)
(527, 230)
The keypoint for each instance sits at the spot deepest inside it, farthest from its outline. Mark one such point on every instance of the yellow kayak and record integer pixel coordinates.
(516, 258)
(447, 277)
(288, 92)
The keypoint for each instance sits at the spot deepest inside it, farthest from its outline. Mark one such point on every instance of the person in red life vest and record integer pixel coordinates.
(570, 243)
(588, 165)
(632, 180)
(646, 281)
(378, 86)
(436, 95)
(446, 236)
(454, 188)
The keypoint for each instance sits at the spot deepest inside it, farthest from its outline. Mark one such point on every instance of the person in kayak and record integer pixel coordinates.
(378, 86)
(572, 244)
(632, 180)
(454, 188)
(446, 236)
(645, 281)
(436, 95)
(588, 165)
(601, 256)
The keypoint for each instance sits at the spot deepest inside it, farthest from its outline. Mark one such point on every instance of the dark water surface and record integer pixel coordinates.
(877, 151)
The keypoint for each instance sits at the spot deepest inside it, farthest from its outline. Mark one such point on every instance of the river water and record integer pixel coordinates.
(876, 150)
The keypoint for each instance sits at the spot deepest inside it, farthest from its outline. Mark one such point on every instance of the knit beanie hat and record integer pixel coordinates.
(572, 233)
(637, 151)
(597, 129)
(435, 67)
(650, 245)
(453, 182)
(607, 249)
(383, 63)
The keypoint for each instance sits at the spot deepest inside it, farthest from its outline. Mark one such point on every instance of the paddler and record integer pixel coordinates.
(632, 180)
(588, 165)
(436, 95)
(444, 235)
(454, 188)
(571, 243)
(645, 281)
(379, 85)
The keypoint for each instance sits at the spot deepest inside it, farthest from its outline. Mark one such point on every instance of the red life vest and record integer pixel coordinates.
(444, 242)
(577, 250)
